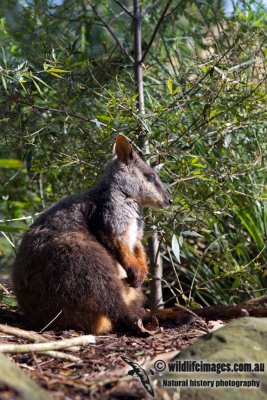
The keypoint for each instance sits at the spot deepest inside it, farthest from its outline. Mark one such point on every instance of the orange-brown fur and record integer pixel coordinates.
(134, 262)
(67, 267)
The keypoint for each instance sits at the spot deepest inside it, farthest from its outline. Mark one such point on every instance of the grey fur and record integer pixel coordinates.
(125, 190)
(68, 259)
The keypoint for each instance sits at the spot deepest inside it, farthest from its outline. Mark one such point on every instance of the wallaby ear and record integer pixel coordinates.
(123, 148)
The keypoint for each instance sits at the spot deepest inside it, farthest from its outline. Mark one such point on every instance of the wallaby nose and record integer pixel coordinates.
(170, 201)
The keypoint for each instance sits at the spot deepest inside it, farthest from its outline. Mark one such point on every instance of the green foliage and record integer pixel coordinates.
(67, 89)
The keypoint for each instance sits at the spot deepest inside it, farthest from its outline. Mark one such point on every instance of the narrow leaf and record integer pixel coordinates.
(216, 270)
(56, 75)
(191, 233)
(176, 248)
(5, 163)
(40, 80)
(4, 82)
(37, 87)
(236, 283)
(12, 229)
(57, 70)
(169, 84)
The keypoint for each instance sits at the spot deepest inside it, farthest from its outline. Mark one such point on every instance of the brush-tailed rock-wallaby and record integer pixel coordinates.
(82, 261)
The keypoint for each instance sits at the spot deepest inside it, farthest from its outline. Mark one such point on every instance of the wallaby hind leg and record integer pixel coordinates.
(74, 278)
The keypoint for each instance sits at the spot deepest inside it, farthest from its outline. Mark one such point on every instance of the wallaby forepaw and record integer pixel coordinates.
(135, 278)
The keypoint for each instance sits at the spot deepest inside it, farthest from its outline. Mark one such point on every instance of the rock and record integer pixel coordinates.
(241, 341)
(17, 386)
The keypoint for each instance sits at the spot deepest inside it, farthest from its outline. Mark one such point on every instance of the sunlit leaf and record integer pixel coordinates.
(4, 82)
(236, 283)
(170, 86)
(7, 163)
(176, 248)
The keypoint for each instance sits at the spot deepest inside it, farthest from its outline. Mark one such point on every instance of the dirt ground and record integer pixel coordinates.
(101, 373)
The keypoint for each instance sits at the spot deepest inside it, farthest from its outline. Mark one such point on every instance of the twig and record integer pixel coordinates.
(124, 8)
(244, 64)
(156, 30)
(8, 239)
(61, 356)
(175, 273)
(220, 113)
(196, 85)
(50, 322)
(108, 27)
(4, 288)
(149, 8)
(45, 108)
(35, 337)
(28, 335)
(226, 78)
(18, 219)
(48, 346)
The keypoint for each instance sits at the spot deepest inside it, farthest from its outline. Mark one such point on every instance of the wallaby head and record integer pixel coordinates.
(135, 178)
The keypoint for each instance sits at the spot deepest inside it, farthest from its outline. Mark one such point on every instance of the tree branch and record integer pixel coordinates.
(56, 110)
(47, 346)
(124, 8)
(156, 30)
(149, 8)
(21, 333)
(200, 80)
(37, 338)
(110, 30)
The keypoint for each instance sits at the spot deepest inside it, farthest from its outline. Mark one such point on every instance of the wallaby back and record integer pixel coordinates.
(82, 262)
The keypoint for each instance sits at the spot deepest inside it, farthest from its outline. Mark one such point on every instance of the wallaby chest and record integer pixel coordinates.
(131, 228)
(121, 220)
(133, 233)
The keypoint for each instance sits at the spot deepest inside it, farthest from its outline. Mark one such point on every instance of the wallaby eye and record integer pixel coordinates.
(151, 178)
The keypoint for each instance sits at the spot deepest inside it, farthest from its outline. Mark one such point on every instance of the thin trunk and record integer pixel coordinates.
(156, 296)
(138, 70)
(156, 299)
